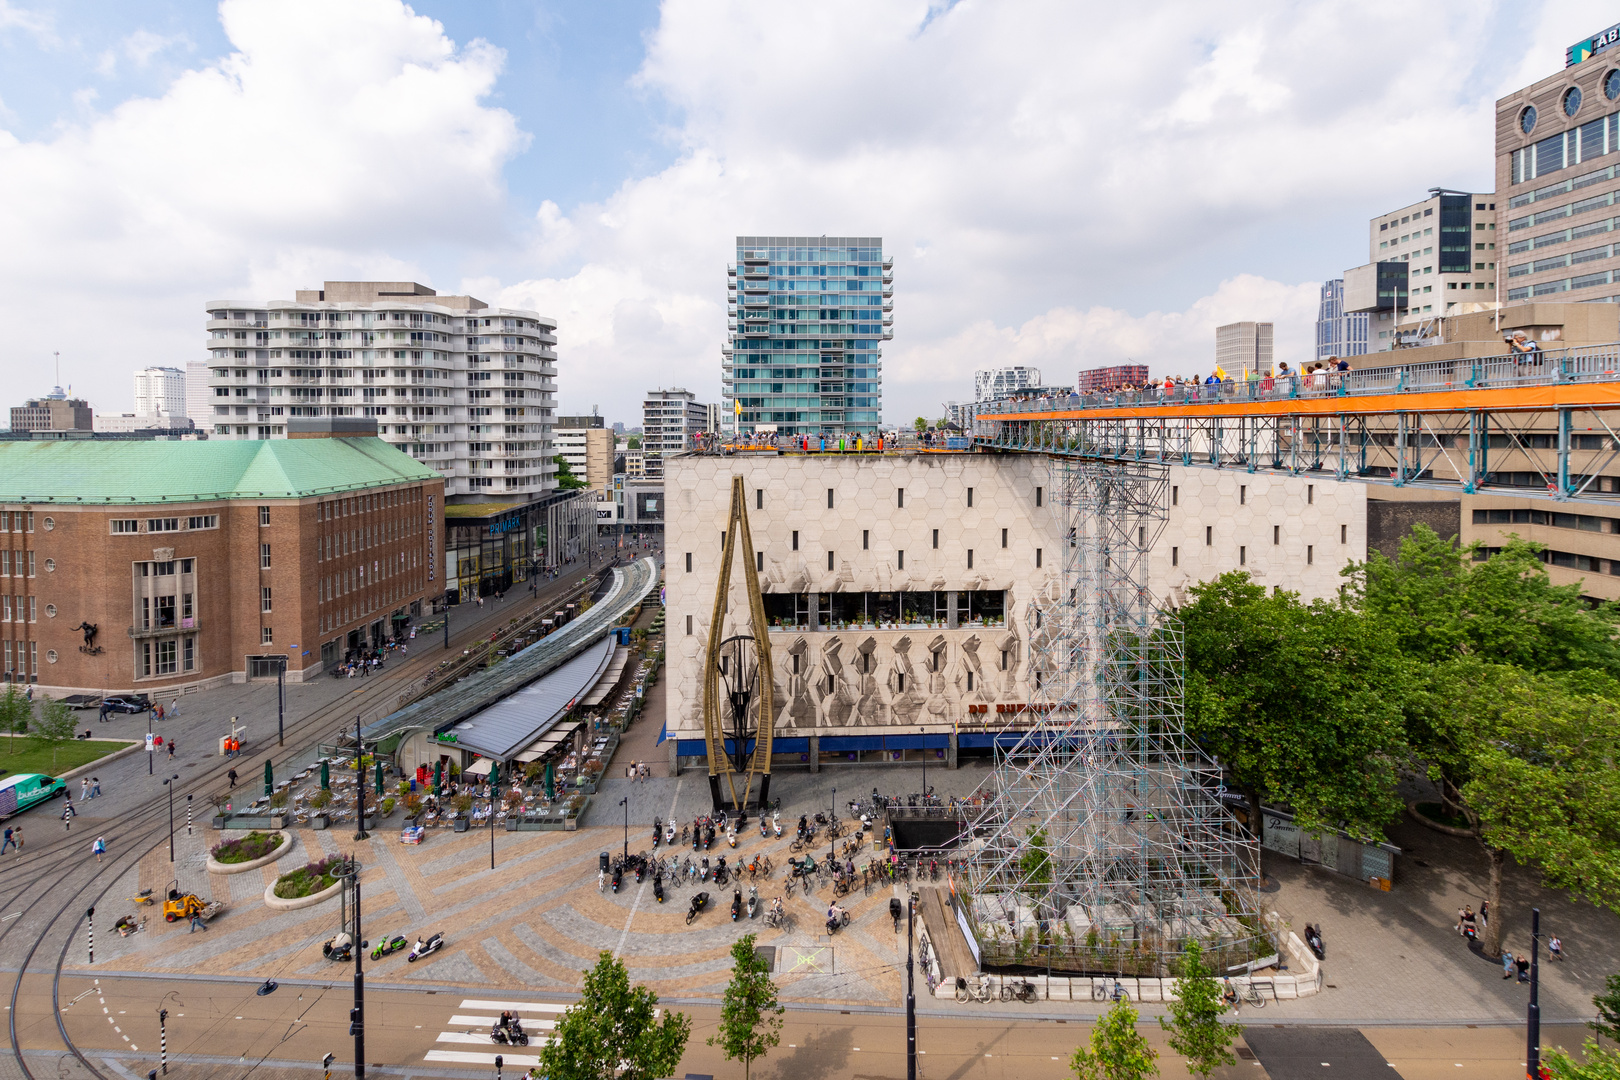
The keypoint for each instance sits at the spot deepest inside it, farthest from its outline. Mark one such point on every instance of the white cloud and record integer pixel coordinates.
(139, 48)
(299, 157)
(37, 23)
(1057, 181)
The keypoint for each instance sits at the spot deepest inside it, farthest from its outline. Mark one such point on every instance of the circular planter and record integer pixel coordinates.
(217, 867)
(277, 903)
(1449, 830)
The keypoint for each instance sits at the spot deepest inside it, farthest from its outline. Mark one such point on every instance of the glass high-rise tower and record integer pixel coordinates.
(806, 317)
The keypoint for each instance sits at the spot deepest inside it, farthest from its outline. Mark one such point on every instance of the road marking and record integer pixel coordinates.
(513, 1006)
(491, 1021)
(466, 1057)
(8, 918)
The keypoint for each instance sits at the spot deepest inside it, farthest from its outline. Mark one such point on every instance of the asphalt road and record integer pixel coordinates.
(221, 1028)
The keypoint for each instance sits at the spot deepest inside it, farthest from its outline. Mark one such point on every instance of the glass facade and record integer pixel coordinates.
(807, 316)
(1338, 333)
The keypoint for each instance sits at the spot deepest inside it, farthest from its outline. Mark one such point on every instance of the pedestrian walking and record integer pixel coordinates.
(99, 848)
(18, 836)
(1555, 947)
(1522, 962)
(103, 716)
(197, 923)
(174, 708)
(9, 843)
(232, 776)
(171, 748)
(95, 787)
(1507, 964)
(84, 788)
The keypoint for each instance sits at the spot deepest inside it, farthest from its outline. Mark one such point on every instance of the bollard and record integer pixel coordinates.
(90, 931)
(163, 1039)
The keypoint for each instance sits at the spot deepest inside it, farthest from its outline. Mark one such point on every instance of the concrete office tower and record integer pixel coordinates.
(53, 412)
(1243, 346)
(160, 391)
(462, 387)
(199, 395)
(1338, 333)
(1431, 259)
(806, 316)
(587, 445)
(1558, 175)
(669, 419)
(997, 383)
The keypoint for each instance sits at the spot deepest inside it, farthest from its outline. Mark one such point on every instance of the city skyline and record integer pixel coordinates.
(597, 164)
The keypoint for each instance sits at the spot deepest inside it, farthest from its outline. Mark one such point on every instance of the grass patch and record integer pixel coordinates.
(310, 878)
(1438, 814)
(255, 845)
(35, 756)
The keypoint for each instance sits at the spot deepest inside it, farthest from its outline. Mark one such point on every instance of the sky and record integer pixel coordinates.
(1064, 185)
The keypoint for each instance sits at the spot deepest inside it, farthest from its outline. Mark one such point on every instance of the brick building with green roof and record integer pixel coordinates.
(155, 566)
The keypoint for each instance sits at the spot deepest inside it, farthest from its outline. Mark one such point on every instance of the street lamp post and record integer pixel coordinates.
(625, 802)
(281, 703)
(357, 1015)
(360, 785)
(1532, 1057)
(911, 997)
(169, 783)
(447, 624)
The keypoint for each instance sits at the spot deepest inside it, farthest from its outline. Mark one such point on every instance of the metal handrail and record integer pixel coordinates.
(1587, 364)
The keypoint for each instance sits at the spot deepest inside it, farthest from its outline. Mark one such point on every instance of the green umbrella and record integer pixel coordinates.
(438, 777)
(326, 776)
(379, 778)
(551, 781)
(269, 779)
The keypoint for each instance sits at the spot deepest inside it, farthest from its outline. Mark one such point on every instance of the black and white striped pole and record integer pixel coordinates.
(90, 930)
(163, 1039)
(188, 815)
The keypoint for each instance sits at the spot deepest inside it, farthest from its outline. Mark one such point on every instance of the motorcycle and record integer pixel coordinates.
(708, 838)
(658, 887)
(753, 901)
(776, 824)
(699, 902)
(391, 945)
(1313, 938)
(731, 836)
(618, 876)
(641, 869)
(736, 905)
(509, 1033)
(338, 949)
(425, 948)
(697, 835)
(704, 876)
(895, 911)
(721, 873)
(658, 832)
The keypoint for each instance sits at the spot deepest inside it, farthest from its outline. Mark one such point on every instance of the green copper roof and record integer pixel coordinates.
(90, 471)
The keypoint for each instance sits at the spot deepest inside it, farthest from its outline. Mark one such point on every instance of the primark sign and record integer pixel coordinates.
(1585, 50)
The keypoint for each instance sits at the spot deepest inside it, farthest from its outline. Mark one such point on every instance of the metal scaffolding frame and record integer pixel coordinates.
(1104, 845)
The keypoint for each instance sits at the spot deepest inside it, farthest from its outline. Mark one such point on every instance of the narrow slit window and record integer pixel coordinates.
(829, 560)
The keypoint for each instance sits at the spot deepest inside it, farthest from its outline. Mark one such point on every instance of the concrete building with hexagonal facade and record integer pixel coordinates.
(898, 588)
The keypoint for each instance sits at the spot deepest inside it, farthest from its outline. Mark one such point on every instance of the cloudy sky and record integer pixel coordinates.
(1060, 184)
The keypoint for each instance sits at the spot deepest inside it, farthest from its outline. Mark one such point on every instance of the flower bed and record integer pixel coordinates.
(255, 845)
(310, 878)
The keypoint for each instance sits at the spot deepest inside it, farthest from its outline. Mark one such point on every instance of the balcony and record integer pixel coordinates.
(756, 273)
(888, 262)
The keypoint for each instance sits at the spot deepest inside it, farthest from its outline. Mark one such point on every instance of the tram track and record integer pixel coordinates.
(138, 833)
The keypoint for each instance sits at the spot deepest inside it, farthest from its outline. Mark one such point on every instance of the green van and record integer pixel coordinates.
(18, 793)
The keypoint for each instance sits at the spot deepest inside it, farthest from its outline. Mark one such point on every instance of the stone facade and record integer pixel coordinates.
(853, 549)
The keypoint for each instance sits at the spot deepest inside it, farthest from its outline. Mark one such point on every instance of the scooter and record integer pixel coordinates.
(395, 944)
(708, 838)
(658, 832)
(764, 829)
(704, 876)
(669, 834)
(425, 948)
(511, 1034)
(1313, 938)
(339, 949)
(736, 905)
(731, 836)
(641, 870)
(776, 824)
(753, 901)
(699, 902)
(721, 874)
(618, 876)
(697, 835)
(658, 887)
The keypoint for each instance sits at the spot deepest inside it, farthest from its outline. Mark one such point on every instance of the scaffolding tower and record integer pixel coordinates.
(1103, 845)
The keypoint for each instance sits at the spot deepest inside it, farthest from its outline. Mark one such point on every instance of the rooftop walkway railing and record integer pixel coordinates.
(1590, 364)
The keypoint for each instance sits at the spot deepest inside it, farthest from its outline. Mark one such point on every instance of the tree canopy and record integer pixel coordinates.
(750, 1016)
(566, 478)
(612, 1033)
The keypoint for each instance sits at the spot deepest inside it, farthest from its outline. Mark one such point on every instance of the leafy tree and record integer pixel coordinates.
(56, 725)
(611, 1033)
(1035, 863)
(14, 714)
(1196, 1031)
(921, 424)
(1599, 1063)
(633, 442)
(1117, 1050)
(1302, 703)
(1442, 604)
(750, 1017)
(1530, 760)
(1608, 1010)
(566, 480)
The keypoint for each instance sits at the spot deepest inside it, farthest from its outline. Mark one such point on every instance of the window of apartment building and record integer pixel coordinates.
(759, 562)
(1243, 555)
(970, 559)
(936, 539)
(1344, 534)
(125, 525)
(162, 525)
(795, 539)
(30, 564)
(1175, 495)
(264, 598)
(265, 636)
(970, 496)
(188, 654)
(1039, 496)
(829, 498)
(1243, 494)
(1003, 537)
(1276, 535)
(688, 562)
(759, 498)
(900, 559)
(1175, 556)
(203, 521)
(1310, 554)
(900, 498)
(970, 681)
(1209, 536)
(1310, 493)
(264, 556)
(829, 560)
(689, 626)
(1037, 558)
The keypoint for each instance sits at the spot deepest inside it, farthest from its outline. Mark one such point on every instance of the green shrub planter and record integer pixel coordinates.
(217, 867)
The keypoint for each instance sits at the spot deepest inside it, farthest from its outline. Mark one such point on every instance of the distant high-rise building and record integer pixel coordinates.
(669, 419)
(806, 315)
(160, 391)
(460, 386)
(1093, 380)
(1338, 333)
(994, 384)
(1243, 346)
(53, 412)
(199, 395)
(587, 445)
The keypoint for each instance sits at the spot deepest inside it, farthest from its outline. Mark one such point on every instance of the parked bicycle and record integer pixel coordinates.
(978, 990)
(1100, 991)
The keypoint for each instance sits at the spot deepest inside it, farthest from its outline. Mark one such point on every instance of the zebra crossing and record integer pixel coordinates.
(476, 1018)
